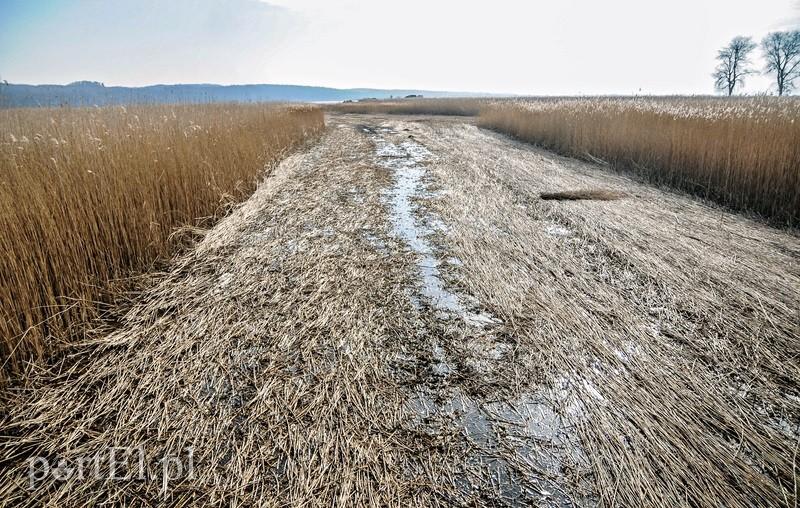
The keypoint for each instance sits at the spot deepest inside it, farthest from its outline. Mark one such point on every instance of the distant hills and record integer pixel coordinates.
(92, 93)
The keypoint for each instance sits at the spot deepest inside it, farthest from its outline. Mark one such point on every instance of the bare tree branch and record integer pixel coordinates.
(734, 64)
(782, 53)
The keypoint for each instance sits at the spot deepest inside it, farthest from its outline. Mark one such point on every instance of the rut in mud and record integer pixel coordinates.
(396, 318)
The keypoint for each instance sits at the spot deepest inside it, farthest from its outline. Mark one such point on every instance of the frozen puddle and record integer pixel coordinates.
(406, 161)
(519, 448)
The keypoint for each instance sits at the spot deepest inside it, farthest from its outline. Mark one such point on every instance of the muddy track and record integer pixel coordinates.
(396, 318)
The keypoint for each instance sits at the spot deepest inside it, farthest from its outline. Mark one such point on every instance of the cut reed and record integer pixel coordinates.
(582, 194)
(455, 107)
(741, 152)
(89, 196)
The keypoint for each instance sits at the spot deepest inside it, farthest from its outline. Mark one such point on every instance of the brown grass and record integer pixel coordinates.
(669, 330)
(265, 349)
(290, 351)
(90, 196)
(743, 153)
(455, 107)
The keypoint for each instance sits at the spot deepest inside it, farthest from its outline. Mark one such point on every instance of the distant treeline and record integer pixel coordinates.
(90, 93)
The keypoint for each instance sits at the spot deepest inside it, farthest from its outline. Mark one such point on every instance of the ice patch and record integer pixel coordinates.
(405, 162)
(525, 430)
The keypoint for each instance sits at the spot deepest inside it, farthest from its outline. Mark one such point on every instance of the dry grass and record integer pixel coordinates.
(743, 152)
(90, 196)
(285, 350)
(667, 329)
(266, 349)
(292, 349)
(456, 107)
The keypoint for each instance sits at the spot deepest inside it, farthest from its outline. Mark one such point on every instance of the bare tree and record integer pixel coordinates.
(733, 64)
(782, 53)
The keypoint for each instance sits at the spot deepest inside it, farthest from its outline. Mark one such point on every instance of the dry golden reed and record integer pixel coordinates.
(741, 152)
(447, 106)
(89, 196)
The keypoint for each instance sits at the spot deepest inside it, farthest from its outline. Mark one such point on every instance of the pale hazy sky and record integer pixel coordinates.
(525, 47)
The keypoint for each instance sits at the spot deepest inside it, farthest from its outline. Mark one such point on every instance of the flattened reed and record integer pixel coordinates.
(89, 196)
(455, 107)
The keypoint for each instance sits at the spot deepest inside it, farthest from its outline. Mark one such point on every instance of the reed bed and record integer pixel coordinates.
(741, 152)
(454, 107)
(92, 196)
(293, 351)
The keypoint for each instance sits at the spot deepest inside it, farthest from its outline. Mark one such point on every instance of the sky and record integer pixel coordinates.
(500, 46)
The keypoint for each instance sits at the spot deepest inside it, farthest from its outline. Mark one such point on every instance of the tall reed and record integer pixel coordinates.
(741, 152)
(418, 106)
(89, 196)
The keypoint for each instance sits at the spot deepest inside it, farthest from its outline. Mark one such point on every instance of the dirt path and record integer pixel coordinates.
(396, 318)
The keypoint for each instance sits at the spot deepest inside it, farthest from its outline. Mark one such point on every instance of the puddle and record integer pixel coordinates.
(512, 446)
(406, 161)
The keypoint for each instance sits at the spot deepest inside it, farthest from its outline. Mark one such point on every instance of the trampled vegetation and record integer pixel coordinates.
(89, 196)
(417, 106)
(740, 152)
